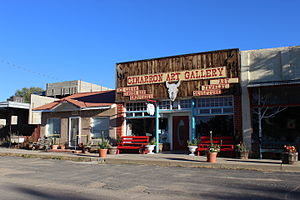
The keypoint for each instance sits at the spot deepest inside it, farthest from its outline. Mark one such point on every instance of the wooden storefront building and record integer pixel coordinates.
(178, 98)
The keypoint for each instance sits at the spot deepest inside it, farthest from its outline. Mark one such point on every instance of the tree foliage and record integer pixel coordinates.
(26, 92)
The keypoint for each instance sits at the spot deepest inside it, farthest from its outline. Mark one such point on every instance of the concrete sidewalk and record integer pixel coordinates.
(165, 160)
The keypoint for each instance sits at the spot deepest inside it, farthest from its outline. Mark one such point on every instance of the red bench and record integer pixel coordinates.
(133, 142)
(226, 143)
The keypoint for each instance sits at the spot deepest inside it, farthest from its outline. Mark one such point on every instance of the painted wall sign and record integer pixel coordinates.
(208, 73)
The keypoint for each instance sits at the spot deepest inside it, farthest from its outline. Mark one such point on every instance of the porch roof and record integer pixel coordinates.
(85, 100)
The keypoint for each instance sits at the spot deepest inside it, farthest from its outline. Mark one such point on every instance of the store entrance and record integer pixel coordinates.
(180, 132)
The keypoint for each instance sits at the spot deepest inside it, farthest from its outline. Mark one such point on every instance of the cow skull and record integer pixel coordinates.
(173, 90)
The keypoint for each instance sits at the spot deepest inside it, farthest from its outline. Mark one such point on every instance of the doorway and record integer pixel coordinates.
(180, 132)
(74, 131)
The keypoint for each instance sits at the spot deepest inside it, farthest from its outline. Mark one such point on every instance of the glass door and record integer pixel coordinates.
(74, 131)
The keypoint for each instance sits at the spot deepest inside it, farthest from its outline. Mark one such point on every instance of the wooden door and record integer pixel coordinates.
(180, 132)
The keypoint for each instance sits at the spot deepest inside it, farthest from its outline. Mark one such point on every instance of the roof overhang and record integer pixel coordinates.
(12, 104)
(273, 83)
(96, 108)
(87, 108)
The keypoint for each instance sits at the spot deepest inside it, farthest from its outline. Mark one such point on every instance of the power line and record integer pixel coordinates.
(18, 67)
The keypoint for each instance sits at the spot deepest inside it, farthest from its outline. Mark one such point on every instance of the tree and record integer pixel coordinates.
(26, 92)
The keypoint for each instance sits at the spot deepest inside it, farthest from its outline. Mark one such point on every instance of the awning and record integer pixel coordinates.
(273, 83)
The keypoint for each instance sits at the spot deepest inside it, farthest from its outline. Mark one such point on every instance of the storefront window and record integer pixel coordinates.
(283, 127)
(165, 105)
(136, 107)
(100, 127)
(53, 129)
(141, 127)
(214, 102)
(220, 125)
(214, 106)
(186, 103)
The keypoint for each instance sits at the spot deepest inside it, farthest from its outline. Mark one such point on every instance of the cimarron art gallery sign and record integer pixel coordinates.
(217, 83)
(198, 74)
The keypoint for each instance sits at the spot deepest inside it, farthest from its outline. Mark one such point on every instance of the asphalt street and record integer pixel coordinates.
(22, 178)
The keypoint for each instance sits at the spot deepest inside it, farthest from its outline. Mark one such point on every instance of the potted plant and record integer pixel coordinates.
(62, 145)
(113, 149)
(55, 143)
(213, 150)
(150, 147)
(193, 145)
(242, 151)
(84, 147)
(103, 147)
(289, 155)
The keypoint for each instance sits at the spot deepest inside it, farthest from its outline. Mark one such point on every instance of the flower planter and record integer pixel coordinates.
(289, 158)
(212, 157)
(63, 147)
(54, 146)
(150, 148)
(113, 150)
(192, 149)
(243, 155)
(102, 153)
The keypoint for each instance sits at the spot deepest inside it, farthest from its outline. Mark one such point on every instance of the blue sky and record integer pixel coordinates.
(45, 41)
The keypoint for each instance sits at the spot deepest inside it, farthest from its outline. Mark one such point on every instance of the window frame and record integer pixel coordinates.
(106, 134)
(48, 127)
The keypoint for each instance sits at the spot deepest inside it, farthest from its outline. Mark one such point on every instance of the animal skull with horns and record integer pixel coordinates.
(173, 90)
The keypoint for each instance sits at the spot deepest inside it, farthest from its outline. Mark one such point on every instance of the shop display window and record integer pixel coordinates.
(100, 127)
(53, 127)
(220, 125)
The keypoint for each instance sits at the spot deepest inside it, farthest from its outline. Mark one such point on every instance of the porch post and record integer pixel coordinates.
(156, 127)
(193, 120)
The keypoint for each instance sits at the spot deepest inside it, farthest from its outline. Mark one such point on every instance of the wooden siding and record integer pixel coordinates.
(229, 58)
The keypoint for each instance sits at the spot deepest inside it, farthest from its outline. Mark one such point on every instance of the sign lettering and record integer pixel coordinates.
(214, 87)
(198, 74)
(142, 96)
(224, 81)
(207, 92)
(127, 89)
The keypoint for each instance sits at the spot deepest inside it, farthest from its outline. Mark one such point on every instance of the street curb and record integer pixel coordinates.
(281, 168)
(53, 157)
(161, 163)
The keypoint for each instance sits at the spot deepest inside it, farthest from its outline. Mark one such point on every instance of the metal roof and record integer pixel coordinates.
(12, 104)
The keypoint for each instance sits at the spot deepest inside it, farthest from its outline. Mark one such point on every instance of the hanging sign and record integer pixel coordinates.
(150, 109)
(208, 73)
